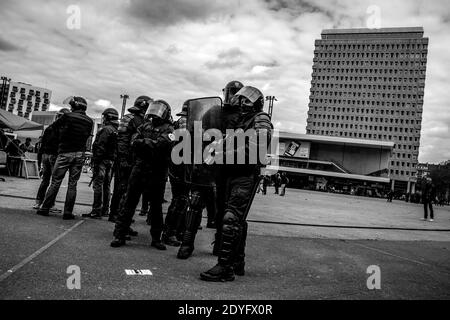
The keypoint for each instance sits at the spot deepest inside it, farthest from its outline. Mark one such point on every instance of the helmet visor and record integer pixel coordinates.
(157, 109)
(68, 100)
(250, 93)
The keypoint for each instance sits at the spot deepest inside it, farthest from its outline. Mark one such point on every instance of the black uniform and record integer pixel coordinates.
(127, 128)
(240, 183)
(174, 224)
(104, 151)
(151, 148)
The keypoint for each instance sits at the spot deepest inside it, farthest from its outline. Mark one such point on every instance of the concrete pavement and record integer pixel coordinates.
(283, 262)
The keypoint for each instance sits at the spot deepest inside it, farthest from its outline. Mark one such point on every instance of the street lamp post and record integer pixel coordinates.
(271, 99)
(124, 103)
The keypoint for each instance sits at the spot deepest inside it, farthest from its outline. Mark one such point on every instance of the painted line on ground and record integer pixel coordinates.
(394, 255)
(288, 223)
(37, 253)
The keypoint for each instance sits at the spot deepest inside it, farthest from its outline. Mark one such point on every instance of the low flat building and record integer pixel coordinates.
(332, 163)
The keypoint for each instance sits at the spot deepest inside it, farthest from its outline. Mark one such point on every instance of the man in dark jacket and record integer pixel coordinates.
(152, 145)
(48, 152)
(74, 129)
(241, 181)
(127, 128)
(180, 193)
(104, 151)
(428, 196)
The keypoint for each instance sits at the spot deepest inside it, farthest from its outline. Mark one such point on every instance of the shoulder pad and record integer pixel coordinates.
(262, 121)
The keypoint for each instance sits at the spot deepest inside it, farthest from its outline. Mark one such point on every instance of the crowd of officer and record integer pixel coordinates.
(137, 152)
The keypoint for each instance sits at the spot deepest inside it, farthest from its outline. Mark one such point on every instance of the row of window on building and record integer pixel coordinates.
(364, 94)
(366, 127)
(333, 117)
(387, 80)
(351, 134)
(387, 55)
(368, 71)
(365, 110)
(363, 87)
(419, 45)
(360, 102)
(401, 65)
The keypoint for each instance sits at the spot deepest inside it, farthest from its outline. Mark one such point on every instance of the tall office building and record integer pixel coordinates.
(369, 84)
(24, 98)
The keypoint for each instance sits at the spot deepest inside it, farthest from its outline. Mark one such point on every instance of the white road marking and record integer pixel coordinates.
(134, 272)
(393, 255)
(37, 253)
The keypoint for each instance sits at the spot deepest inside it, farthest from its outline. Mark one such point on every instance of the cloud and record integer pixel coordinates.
(176, 50)
(171, 12)
(8, 46)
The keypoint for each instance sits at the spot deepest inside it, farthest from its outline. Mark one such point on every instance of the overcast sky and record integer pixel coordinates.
(176, 50)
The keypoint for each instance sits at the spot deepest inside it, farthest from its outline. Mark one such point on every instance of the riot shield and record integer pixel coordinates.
(202, 114)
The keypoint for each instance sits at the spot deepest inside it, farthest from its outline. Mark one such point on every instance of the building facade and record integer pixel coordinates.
(332, 163)
(24, 98)
(369, 84)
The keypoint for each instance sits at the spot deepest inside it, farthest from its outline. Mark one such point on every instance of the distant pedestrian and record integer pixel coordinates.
(390, 195)
(74, 130)
(265, 183)
(284, 182)
(277, 183)
(27, 146)
(428, 196)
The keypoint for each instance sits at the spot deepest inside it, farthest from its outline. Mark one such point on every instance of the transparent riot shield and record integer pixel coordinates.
(203, 115)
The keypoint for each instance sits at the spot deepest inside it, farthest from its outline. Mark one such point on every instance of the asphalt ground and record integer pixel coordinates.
(283, 261)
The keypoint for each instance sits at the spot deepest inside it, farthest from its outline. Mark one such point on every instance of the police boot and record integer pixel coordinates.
(170, 240)
(93, 215)
(216, 245)
(118, 242)
(132, 232)
(218, 273)
(239, 268)
(158, 245)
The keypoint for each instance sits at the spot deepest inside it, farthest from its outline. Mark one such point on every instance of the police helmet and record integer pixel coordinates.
(141, 104)
(249, 98)
(76, 103)
(160, 109)
(230, 90)
(111, 114)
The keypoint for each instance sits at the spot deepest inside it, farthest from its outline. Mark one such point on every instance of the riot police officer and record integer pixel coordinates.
(180, 193)
(202, 180)
(104, 151)
(241, 181)
(127, 128)
(230, 118)
(151, 147)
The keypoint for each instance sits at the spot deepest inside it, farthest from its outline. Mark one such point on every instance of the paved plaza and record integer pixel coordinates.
(306, 245)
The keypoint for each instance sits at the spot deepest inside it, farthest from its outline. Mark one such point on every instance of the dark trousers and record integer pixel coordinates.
(277, 187)
(283, 190)
(177, 208)
(102, 187)
(211, 204)
(142, 180)
(239, 194)
(428, 204)
(72, 162)
(121, 176)
(47, 162)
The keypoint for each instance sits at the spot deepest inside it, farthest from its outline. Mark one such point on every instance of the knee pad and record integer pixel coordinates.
(195, 201)
(230, 219)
